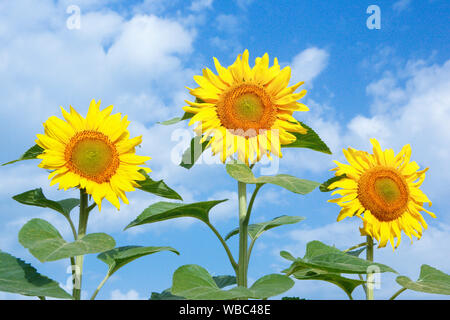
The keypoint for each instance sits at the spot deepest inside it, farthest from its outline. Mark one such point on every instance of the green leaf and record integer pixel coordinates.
(270, 285)
(346, 284)
(162, 210)
(326, 258)
(356, 252)
(46, 243)
(310, 140)
(324, 186)
(255, 230)
(16, 276)
(165, 295)
(175, 120)
(158, 188)
(243, 173)
(191, 154)
(431, 280)
(194, 282)
(118, 257)
(221, 282)
(36, 198)
(224, 281)
(30, 154)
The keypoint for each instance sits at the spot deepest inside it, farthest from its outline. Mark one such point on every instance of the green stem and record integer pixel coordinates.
(243, 235)
(82, 224)
(356, 247)
(224, 244)
(72, 259)
(362, 279)
(100, 285)
(370, 277)
(249, 253)
(247, 219)
(252, 200)
(397, 293)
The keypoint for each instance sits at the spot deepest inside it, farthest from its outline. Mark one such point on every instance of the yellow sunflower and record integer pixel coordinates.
(93, 153)
(246, 110)
(383, 190)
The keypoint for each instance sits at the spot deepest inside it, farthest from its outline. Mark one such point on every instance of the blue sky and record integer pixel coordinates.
(392, 84)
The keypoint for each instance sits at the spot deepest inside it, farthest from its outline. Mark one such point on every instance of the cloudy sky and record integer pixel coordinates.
(391, 83)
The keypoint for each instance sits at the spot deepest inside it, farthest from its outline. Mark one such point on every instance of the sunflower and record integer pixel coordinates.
(246, 110)
(93, 153)
(383, 190)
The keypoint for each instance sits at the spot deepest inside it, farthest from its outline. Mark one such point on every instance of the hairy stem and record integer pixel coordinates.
(100, 285)
(370, 277)
(82, 225)
(243, 235)
(395, 295)
(225, 246)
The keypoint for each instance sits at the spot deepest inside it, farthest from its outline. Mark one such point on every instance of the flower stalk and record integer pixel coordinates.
(82, 226)
(370, 277)
(243, 235)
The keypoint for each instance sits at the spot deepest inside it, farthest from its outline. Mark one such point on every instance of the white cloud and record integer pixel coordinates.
(401, 5)
(130, 295)
(129, 63)
(244, 4)
(308, 64)
(198, 5)
(228, 23)
(226, 210)
(417, 112)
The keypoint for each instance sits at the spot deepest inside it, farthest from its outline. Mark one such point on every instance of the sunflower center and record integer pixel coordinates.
(384, 192)
(92, 155)
(246, 108)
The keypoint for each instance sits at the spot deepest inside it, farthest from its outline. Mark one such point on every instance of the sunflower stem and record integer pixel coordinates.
(100, 285)
(395, 295)
(355, 247)
(243, 235)
(370, 277)
(82, 225)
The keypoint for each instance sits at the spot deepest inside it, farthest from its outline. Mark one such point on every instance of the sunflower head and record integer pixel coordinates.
(246, 110)
(93, 153)
(383, 190)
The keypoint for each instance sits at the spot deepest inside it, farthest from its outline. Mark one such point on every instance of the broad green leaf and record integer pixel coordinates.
(194, 282)
(191, 154)
(118, 257)
(161, 211)
(30, 154)
(16, 276)
(346, 284)
(175, 120)
(221, 282)
(243, 173)
(255, 230)
(224, 281)
(324, 186)
(158, 188)
(36, 198)
(356, 252)
(431, 280)
(310, 140)
(326, 258)
(270, 285)
(46, 243)
(165, 295)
